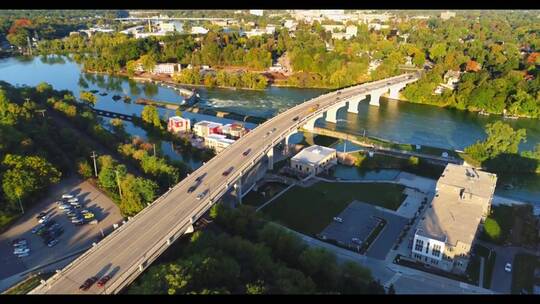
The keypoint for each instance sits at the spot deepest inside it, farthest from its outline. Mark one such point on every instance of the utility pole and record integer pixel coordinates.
(94, 155)
(118, 182)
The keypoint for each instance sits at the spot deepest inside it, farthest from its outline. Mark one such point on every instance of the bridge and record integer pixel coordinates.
(156, 18)
(131, 248)
(113, 114)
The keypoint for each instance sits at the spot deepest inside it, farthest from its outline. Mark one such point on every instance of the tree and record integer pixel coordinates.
(84, 169)
(492, 229)
(88, 97)
(148, 62)
(150, 115)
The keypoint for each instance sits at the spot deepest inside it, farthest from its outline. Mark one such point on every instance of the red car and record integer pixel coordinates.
(103, 281)
(228, 171)
(88, 283)
(246, 152)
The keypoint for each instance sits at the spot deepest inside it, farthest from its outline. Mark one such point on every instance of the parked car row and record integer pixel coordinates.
(20, 248)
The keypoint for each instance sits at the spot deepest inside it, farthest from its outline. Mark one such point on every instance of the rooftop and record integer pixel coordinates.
(209, 124)
(313, 154)
(463, 197)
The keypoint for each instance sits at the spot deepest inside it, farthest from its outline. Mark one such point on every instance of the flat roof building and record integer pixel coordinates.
(205, 128)
(177, 124)
(446, 232)
(217, 142)
(313, 160)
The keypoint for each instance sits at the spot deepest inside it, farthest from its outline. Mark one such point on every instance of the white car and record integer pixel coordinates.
(67, 196)
(73, 200)
(508, 267)
(338, 219)
(21, 250)
(22, 255)
(62, 207)
(44, 219)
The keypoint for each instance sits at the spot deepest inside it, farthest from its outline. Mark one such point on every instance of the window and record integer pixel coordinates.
(427, 247)
(434, 261)
(419, 245)
(436, 250)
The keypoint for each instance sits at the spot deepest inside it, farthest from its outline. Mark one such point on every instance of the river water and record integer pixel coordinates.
(397, 121)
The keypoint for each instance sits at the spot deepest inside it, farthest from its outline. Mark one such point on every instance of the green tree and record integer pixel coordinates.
(88, 97)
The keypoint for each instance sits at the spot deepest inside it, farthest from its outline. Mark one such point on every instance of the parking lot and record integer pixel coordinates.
(72, 239)
(359, 219)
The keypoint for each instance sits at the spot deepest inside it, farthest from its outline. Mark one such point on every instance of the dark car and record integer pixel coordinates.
(246, 152)
(228, 171)
(192, 188)
(17, 242)
(52, 243)
(338, 92)
(41, 215)
(199, 178)
(103, 281)
(296, 118)
(88, 283)
(38, 228)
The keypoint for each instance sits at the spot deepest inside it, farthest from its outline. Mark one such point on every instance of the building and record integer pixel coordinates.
(290, 24)
(217, 142)
(374, 64)
(167, 68)
(257, 12)
(198, 30)
(447, 231)
(170, 27)
(255, 32)
(451, 79)
(178, 124)
(447, 15)
(205, 128)
(313, 160)
(351, 31)
(333, 27)
(234, 130)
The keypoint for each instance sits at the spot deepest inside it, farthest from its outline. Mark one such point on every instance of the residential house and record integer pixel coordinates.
(177, 125)
(205, 128)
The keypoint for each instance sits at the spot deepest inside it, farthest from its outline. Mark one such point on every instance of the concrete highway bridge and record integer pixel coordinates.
(132, 247)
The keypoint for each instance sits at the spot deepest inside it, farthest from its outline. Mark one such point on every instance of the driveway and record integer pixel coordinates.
(75, 238)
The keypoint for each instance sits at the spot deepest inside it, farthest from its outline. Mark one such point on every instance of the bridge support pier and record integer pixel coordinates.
(394, 91)
(353, 103)
(331, 114)
(270, 155)
(375, 95)
(189, 230)
(311, 123)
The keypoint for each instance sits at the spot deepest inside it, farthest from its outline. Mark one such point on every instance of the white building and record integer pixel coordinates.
(313, 160)
(167, 68)
(149, 34)
(374, 64)
(256, 12)
(255, 32)
(290, 25)
(447, 15)
(178, 124)
(351, 31)
(447, 230)
(234, 130)
(217, 142)
(377, 26)
(205, 128)
(198, 30)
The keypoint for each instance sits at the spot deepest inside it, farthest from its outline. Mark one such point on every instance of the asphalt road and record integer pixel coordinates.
(74, 237)
(125, 249)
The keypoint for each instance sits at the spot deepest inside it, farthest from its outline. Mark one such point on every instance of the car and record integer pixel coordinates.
(38, 228)
(356, 240)
(41, 215)
(73, 200)
(52, 243)
(67, 196)
(228, 171)
(202, 194)
(71, 213)
(21, 250)
(76, 206)
(44, 219)
(74, 203)
(50, 223)
(64, 206)
(246, 152)
(103, 281)
(19, 241)
(22, 255)
(20, 246)
(77, 220)
(85, 211)
(338, 219)
(88, 215)
(54, 227)
(296, 118)
(508, 267)
(192, 188)
(338, 92)
(88, 283)
(199, 178)
(273, 130)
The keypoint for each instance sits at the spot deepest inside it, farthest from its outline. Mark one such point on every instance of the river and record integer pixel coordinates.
(397, 121)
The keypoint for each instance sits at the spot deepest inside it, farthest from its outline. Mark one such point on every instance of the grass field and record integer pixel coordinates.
(256, 198)
(310, 210)
(27, 285)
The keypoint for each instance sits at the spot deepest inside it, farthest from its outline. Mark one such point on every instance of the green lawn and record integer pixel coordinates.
(523, 272)
(310, 210)
(256, 198)
(27, 285)
(503, 216)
